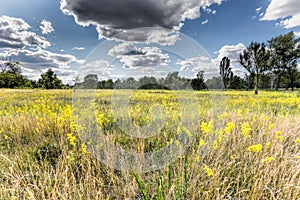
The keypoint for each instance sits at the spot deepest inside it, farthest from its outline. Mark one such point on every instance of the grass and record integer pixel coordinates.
(246, 148)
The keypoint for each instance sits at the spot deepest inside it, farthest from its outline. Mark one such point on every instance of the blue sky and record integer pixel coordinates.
(223, 28)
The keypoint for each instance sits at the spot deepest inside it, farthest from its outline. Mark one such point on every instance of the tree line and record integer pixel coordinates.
(271, 65)
(11, 77)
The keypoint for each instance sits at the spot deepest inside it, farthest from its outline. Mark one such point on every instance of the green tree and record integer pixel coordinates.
(226, 72)
(49, 80)
(285, 53)
(215, 83)
(238, 83)
(198, 83)
(90, 81)
(255, 59)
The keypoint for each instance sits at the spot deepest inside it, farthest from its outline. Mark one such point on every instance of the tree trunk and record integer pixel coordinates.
(256, 85)
(292, 85)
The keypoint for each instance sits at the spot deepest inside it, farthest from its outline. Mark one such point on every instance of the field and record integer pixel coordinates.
(233, 145)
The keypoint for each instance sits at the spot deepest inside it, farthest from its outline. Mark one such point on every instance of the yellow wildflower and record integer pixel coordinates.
(208, 171)
(278, 135)
(229, 127)
(255, 148)
(268, 159)
(83, 149)
(72, 139)
(246, 129)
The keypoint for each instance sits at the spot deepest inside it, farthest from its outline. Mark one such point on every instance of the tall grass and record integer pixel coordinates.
(251, 150)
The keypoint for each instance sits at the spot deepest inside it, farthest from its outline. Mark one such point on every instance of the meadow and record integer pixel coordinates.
(247, 147)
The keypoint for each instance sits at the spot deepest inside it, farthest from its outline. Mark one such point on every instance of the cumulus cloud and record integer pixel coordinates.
(102, 68)
(211, 66)
(297, 34)
(15, 33)
(114, 19)
(195, 64)
(133, 57)
(287, 11)
(46, 27)
(40, 58)
(37, 58)
(230, 51)
(19, 43)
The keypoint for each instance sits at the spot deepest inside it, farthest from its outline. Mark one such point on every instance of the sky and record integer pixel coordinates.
(114, 38)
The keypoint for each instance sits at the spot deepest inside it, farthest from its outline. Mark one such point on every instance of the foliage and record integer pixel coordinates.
(285, 55)
(49, 80)
(226, 72)
(255, 59)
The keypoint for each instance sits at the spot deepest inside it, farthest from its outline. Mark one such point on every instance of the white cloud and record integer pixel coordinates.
(78, 48)
(37, 58)
(18, 43)
(195, 64)
(211, 66)
(46, 27)
(122, 49)
(287, 11)
(133, 57)
(145, 57)
(297, 34)
(204, 22)
(258, 9)
(116, 19)
(230, 51)
(101, 68)
(210, 11)
(14, 33)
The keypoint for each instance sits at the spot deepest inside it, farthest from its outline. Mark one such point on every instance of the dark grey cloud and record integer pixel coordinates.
(114, 18)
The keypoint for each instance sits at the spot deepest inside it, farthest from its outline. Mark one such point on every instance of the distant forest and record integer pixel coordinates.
(272, 65)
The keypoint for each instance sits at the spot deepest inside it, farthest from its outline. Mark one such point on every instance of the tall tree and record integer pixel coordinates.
(199, 83)
(8, 66)
(285, 51)
(49, 80)
(226, 72)
(255, 59)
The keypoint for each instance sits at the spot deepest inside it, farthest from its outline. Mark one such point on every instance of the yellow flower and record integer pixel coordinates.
(278, 135)
(246, 129)
(297, 140)
(255, 148)
(72, 139)
(207, 127)
(233, 156)
(5, 136)
(204, 127)
(268, 144)
(229, 127)
(268, 159)
(83, 149)
(208, 171)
